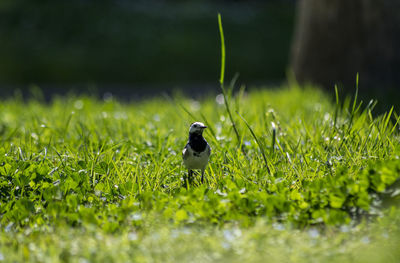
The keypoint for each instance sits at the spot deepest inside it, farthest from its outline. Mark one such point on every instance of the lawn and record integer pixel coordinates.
(89, 180)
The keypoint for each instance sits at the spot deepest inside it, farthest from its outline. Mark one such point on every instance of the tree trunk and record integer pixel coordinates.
(336, 39)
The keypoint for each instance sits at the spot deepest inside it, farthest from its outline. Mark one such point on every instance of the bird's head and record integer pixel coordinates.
(197, 128)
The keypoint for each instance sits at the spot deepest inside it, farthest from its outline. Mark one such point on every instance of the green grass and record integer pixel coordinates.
(83, 179)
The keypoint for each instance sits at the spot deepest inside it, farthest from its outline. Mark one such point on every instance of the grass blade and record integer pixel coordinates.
(257, 141)
(221, 81)
(221, 33)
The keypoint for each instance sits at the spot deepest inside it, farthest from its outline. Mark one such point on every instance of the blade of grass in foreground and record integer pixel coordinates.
(221, 81)
(221, 33)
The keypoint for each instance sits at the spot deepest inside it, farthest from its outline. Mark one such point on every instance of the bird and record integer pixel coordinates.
(197, 151)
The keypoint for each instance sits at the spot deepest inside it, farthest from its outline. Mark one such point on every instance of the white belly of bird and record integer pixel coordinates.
(196, 162)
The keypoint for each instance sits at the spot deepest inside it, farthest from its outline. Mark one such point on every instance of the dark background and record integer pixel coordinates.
(141, 45)
(144, 47)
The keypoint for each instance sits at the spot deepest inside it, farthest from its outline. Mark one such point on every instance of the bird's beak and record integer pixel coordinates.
(203, 127)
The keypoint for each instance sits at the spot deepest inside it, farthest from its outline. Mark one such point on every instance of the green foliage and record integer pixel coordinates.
(79, 163)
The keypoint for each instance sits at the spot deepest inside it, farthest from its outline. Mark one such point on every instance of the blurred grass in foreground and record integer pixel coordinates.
(264, 242)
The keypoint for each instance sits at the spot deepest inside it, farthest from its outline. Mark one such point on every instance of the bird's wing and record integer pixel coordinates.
(208, 150)
(185, 152)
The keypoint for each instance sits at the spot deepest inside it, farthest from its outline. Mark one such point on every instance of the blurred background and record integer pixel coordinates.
(148, 46)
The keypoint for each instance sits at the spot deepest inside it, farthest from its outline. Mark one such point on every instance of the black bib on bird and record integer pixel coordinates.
(197, 142)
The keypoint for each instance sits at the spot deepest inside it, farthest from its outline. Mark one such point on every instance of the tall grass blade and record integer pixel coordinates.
(221, 81)
(221, 33)
(386, 121)
(257, 141)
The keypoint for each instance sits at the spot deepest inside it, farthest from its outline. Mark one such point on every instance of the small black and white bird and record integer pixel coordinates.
(197, 151)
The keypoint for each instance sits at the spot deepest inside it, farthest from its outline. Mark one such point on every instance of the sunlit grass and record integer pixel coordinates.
(102, 180)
